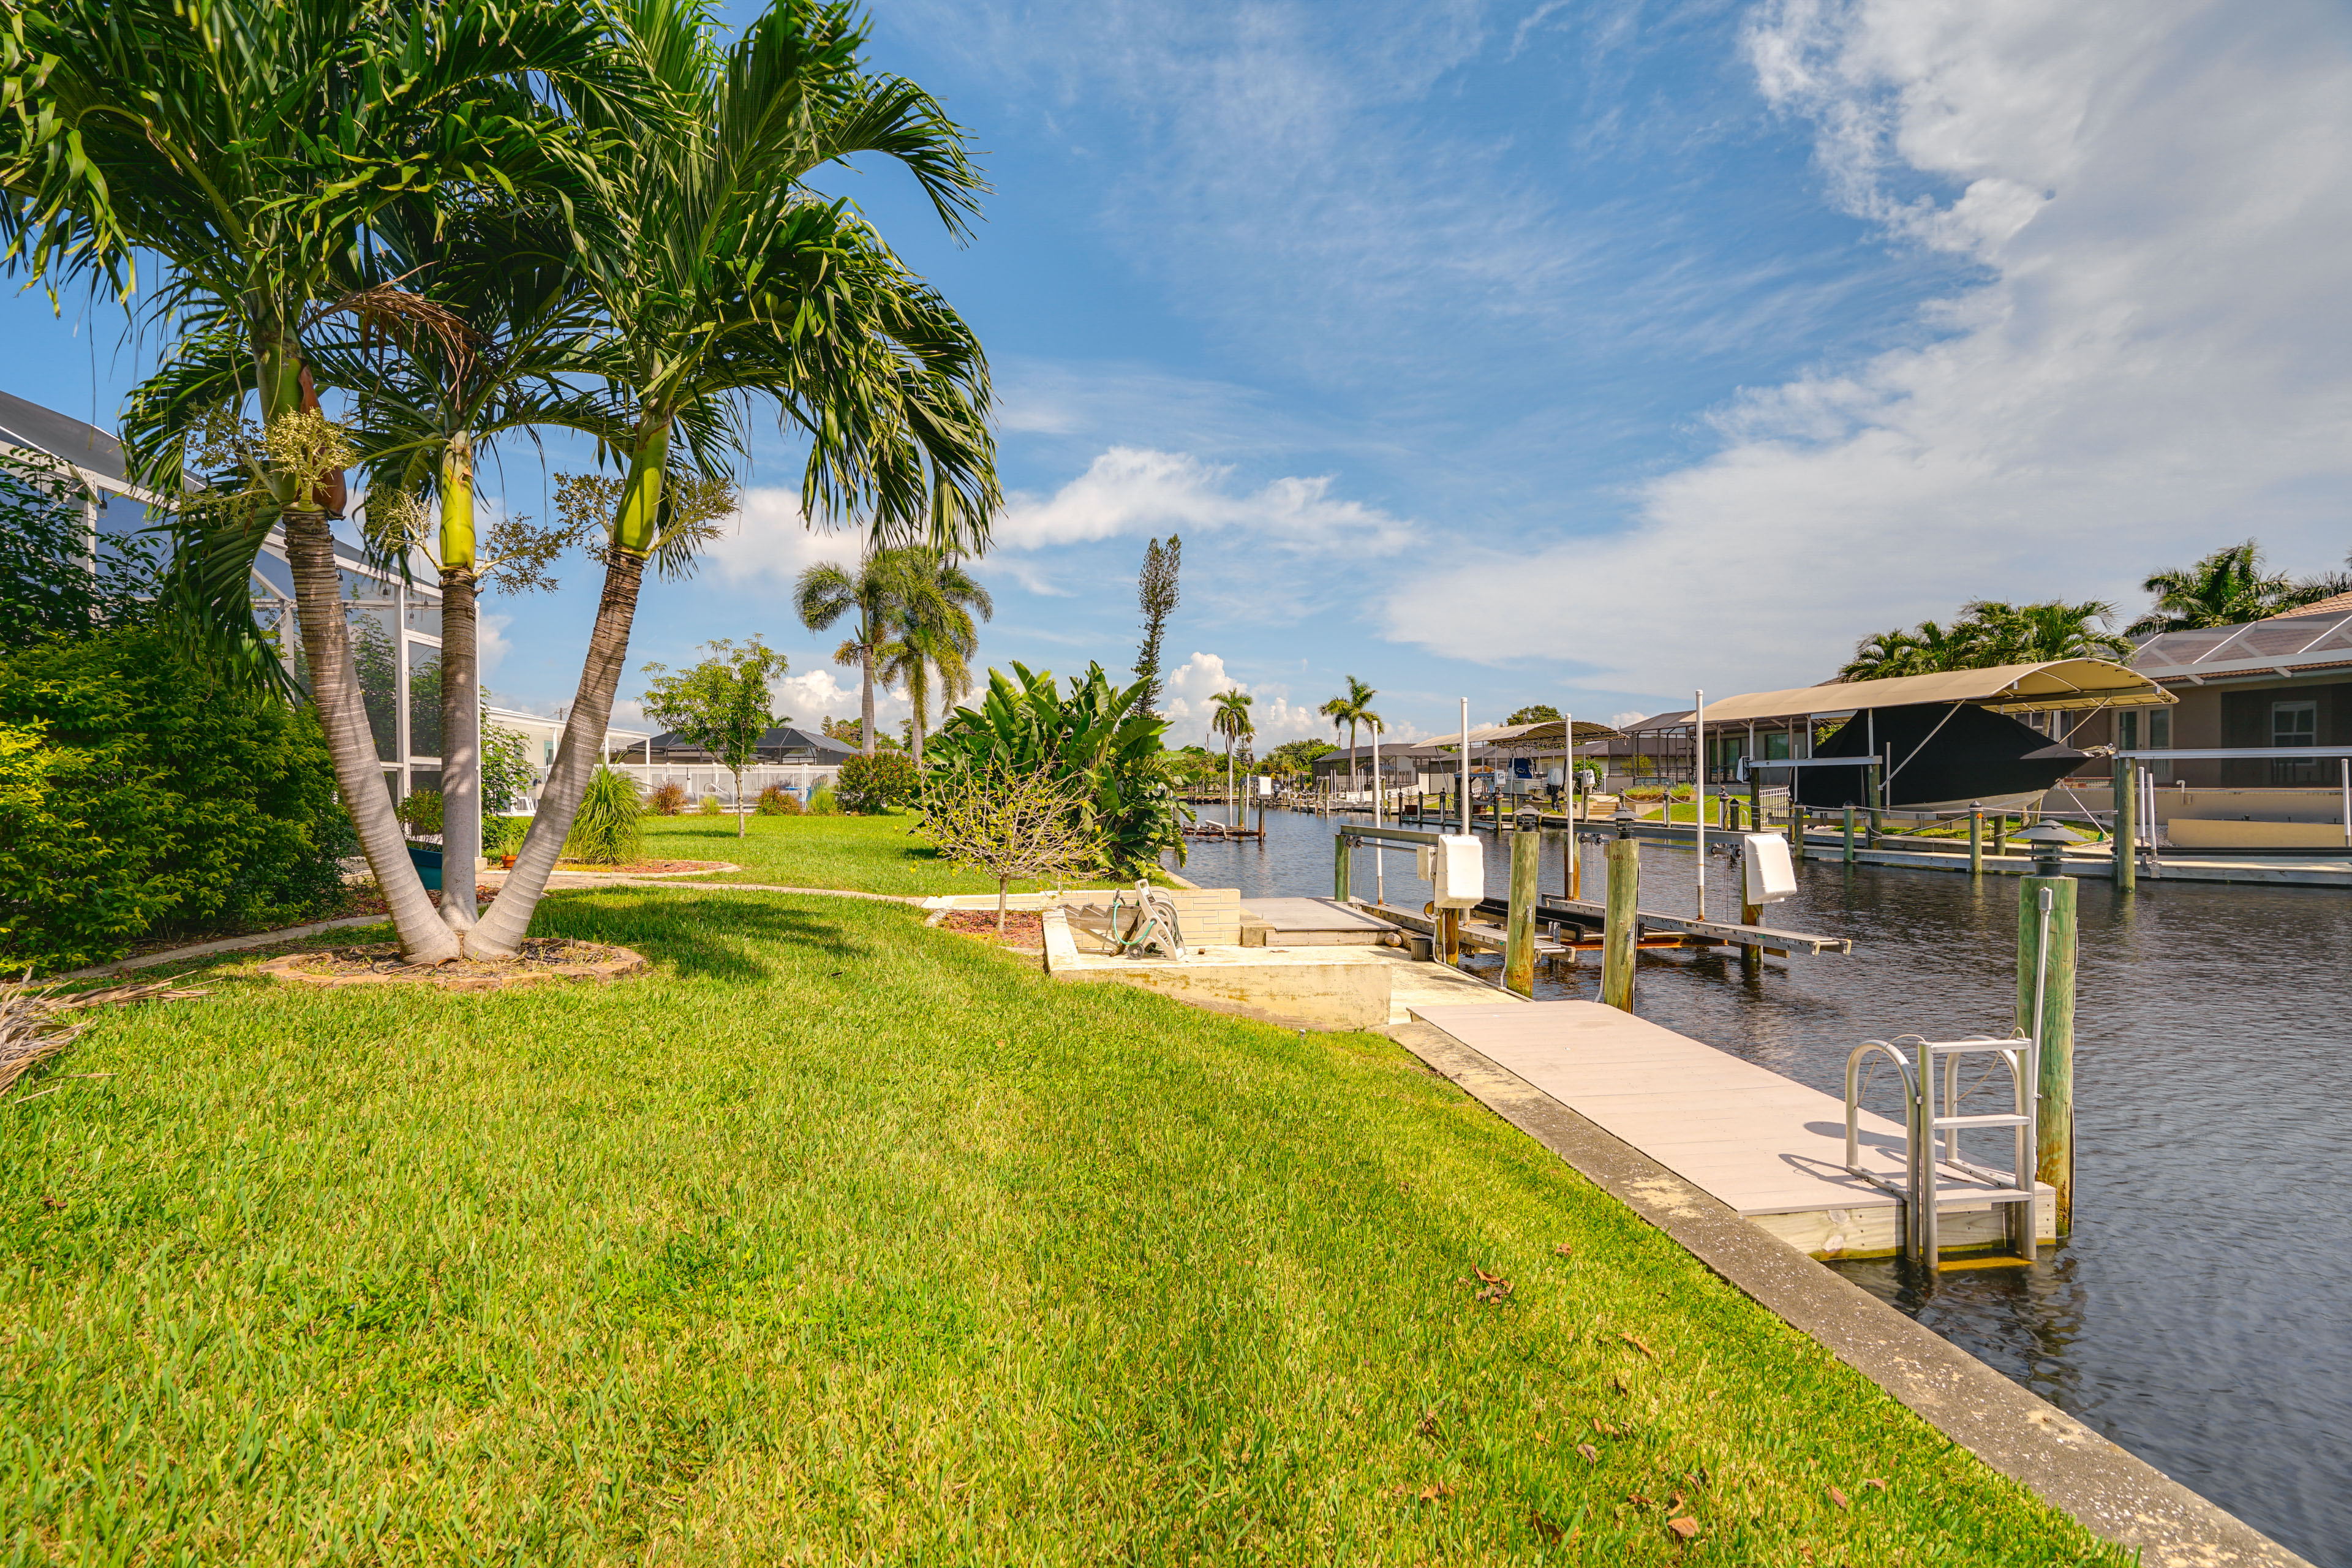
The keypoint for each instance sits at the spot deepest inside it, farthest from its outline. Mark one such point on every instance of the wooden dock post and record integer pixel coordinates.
(1620, 932)
(1877, 801)
(1755, 798)
(1519, 933)
(2054, 1155)
(1449, 936)
(1751, 957)
(2126, 834)
(1343, 852)
(1849, 835)
(1796, 826)
(2001, 832)
(1976, 838)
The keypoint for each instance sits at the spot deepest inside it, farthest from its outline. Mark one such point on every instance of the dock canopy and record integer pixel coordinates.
(1538, 738)
(2065, 683)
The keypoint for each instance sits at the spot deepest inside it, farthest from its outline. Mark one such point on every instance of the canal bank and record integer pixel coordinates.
(2191, 1315)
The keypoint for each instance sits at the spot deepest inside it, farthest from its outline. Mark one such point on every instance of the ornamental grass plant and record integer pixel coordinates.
(607, 831)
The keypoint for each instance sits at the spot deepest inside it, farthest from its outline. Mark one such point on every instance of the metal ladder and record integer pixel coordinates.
(1926, 1116)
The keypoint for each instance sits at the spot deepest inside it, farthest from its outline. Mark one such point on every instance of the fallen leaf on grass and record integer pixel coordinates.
(1544, 1527)
(1605, 1429)
(1637, 1345)
(1685, 1528)
(1838, 1498)
(1428, 1426)
(1564, 1250)
(1592, 1455)
(1434, 1490)
(1873, 1481)
(1619, 1383)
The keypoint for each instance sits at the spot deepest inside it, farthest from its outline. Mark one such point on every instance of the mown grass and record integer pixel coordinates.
(840, 1239)
(873, 853)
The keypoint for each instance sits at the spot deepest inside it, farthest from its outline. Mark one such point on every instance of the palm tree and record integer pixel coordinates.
(1231, 720)
(723, 276)
(194, 134)
(2054, 629)
(514, 325)
(2224, 589)
(825, 593)
(1354, 709)
(934, 600)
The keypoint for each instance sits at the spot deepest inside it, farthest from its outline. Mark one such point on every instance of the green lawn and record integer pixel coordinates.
(875, 854)
(840, 1239)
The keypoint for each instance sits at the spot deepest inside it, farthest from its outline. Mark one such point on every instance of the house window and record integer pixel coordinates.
(2127, 732)
(2294, 724)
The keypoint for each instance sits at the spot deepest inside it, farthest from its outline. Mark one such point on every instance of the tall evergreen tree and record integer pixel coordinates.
(1155, 593)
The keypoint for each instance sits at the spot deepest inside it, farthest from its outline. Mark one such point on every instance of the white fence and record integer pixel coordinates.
(802, 778)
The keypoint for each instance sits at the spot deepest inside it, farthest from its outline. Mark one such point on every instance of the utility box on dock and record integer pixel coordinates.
(1459, 871)
(1770, 874)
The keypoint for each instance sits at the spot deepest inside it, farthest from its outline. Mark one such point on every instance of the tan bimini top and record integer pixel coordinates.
(1541, 737)
(2064, 683)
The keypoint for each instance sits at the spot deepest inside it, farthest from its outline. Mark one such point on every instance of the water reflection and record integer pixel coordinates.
(2199, 1314)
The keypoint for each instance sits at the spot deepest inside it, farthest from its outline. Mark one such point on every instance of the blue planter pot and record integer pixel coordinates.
(428, 866)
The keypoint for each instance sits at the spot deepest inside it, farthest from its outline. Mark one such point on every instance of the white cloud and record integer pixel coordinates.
(1139, 490)
(769, 540)
(2157, 361)
(491, 644)
(1191, 685)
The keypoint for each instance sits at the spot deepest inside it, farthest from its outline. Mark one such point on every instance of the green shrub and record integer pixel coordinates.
(710, 807)
(420, 811)
(669, 800)
(606, 831)
(139, 799)
(868, 785)
(503, 836)
(777, 801)
(507, 773)
(822, 802)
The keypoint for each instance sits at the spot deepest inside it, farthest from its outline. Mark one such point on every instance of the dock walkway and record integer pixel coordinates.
(1770, 1149)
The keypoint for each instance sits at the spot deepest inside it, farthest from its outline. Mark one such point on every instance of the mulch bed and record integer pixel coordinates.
(1023, 928)
(380, 964)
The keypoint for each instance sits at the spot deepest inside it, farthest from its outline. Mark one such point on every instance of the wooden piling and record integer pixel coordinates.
(1849, 835)
(1622, 916)
(1796, 827)
(1751, 957)
(1449, 936)
(1343, 853)
(2126, 835)
(2054, 1155)
(1519, 933)
(2001, 834)
(1976, 840)
(1755, 798)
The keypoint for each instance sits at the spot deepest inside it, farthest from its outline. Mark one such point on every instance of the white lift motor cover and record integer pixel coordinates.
(1461, 871)
(1265, 784)
(1770, 875)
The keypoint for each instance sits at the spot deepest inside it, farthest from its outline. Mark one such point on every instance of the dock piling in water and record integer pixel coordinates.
(1976, 838)
(2052, 975)
(1849, 835)
(1619, 931)
(2126, 835)
(1519, 947)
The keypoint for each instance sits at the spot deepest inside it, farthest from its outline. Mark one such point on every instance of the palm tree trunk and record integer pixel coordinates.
(919, 693)
(501, 932)
(359, 776)
(461, 749)
(866, 697)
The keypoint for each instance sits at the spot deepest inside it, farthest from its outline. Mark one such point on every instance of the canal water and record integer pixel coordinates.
(2201, 1314)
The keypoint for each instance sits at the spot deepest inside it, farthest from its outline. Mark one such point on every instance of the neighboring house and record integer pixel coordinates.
(2284, 681)
(798, 759)
(785, 745)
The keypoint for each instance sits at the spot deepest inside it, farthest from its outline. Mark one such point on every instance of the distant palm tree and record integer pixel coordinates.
(2226, 589)
(1231, 720)
(828, 592)
(1354, 709)
(2039, 634)
(931, 600)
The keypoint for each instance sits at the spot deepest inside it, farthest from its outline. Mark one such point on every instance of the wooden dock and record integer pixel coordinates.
(1771, 1148)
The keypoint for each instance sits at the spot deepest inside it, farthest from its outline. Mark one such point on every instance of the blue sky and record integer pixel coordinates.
(1579, 352)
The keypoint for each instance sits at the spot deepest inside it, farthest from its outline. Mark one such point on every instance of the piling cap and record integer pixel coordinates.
(1624, 821)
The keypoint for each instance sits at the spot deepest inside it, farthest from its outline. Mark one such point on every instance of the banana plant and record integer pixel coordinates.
(1101, 739)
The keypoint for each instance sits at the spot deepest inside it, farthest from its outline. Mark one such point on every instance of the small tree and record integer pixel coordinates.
(1008, 825)
(721, 706)
(507, 773)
